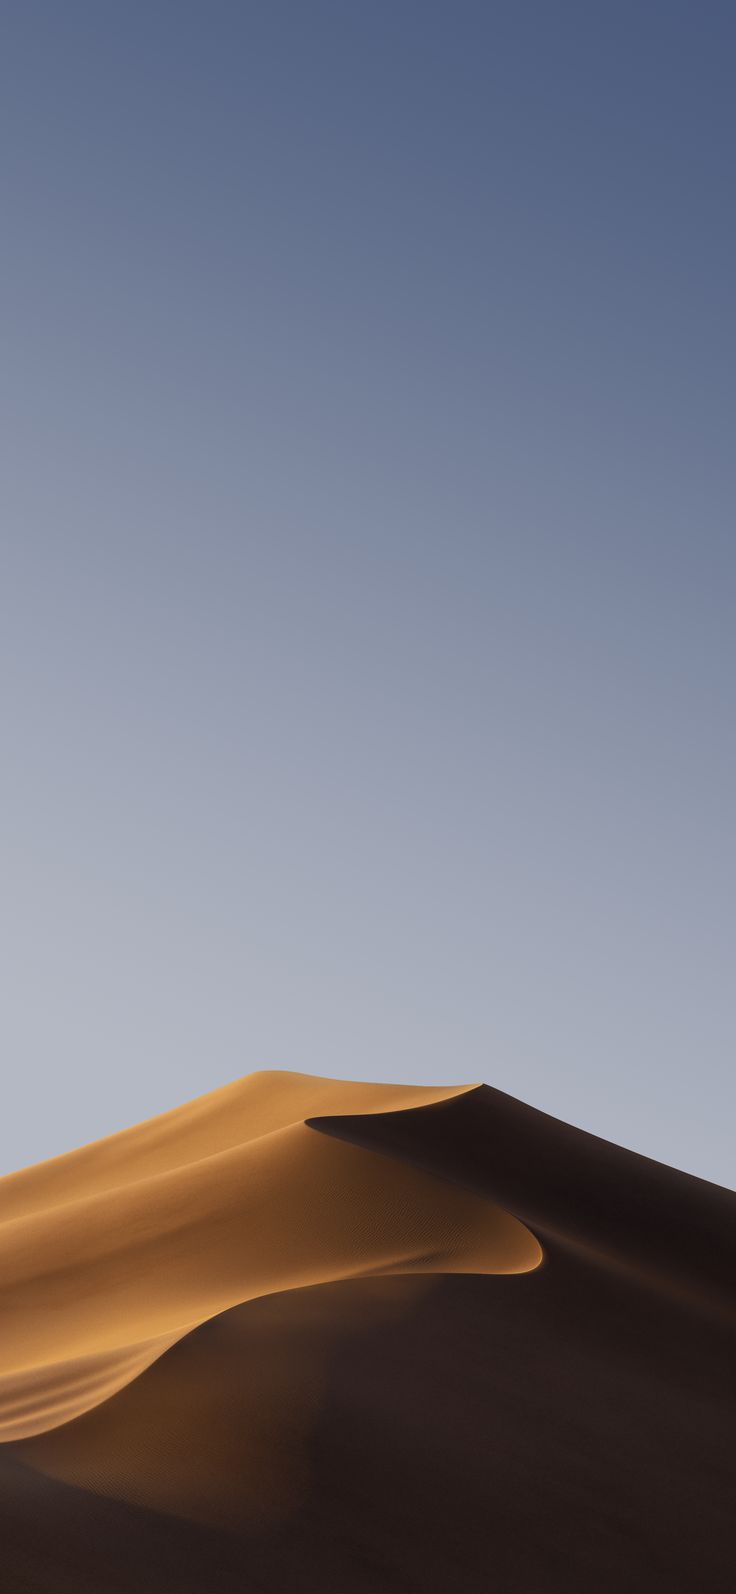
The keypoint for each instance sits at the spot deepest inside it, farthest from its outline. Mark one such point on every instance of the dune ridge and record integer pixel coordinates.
(111, 1254)
(380, 1411)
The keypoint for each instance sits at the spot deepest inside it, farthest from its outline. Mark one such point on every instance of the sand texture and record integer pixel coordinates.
(303, 1334)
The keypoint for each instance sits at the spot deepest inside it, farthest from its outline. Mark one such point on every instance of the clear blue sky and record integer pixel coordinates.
(367, 583)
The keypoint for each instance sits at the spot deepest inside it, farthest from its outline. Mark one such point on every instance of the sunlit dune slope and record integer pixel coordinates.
(226, 1384)
(112, 1253)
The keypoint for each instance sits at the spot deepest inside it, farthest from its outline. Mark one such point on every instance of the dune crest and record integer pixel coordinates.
(292, 1291)
(111, 1254)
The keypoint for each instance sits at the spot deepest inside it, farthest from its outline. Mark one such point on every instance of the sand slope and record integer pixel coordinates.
(112, 1253)
(366, 1404)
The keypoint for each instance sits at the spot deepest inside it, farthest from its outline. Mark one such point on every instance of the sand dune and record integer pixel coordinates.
(264, 1342)
(111, 1254)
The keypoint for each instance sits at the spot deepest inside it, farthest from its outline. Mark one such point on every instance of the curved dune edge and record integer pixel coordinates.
(112, 1253)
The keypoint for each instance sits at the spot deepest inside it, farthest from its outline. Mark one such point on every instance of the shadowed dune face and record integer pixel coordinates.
(111, 1254)
(378, 1411)
(247, 1389)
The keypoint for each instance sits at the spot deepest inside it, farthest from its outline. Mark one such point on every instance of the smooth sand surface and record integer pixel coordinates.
(112, 1253)
(263, 1343)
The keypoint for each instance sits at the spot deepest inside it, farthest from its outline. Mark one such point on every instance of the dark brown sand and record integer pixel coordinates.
(515, 1428)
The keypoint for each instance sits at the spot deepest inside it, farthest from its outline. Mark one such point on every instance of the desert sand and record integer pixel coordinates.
(304, 1334)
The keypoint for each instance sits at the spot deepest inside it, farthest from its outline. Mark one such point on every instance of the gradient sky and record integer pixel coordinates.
(367, 582)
